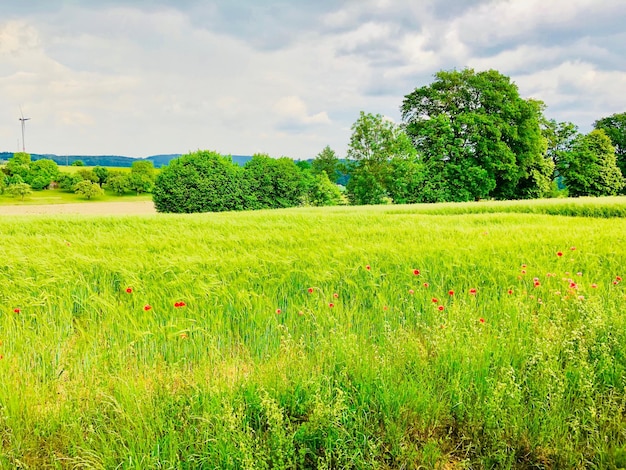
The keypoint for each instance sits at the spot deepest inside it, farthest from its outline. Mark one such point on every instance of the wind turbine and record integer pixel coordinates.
(23, 120)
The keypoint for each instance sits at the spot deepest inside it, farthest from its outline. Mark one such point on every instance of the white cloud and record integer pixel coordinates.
(244, 77)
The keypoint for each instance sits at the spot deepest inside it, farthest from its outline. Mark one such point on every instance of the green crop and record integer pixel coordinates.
(350, 337)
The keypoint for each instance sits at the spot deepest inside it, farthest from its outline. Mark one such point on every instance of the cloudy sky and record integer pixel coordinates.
(282, 77)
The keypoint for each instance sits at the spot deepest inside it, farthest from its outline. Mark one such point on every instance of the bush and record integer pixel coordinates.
(40, 182)
(68, 181)
(201, 181)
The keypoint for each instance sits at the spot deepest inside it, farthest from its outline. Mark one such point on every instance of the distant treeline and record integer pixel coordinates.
(111, 160)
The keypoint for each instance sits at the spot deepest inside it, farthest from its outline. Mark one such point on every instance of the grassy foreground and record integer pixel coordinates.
(313, 338)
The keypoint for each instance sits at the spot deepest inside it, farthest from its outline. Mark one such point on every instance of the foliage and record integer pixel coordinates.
(615, 128)
(20, 190)
(201, 181)
(510, 374)
(19, 165)
(40, 182)
(68, 181)
(407, 180)
(326, 161)
(118, 182)
(374, 143)
(88, 189)
(272, 183)
(477, 136)
(102, 173)
(78, 163)
(88, 175)
(590, 168)
(142, 176)
(323, 192)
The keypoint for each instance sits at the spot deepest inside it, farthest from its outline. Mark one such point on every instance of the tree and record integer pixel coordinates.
(43, 172)
(615, 128)
(118, 182)
(102, 173)
(406, 181)
(327, 162)
(88, 175)
(477, 137)
(68, 181)
(273, 183)
(590, 168)
(201, 181)
(78, 163)
(88, 189)
(323, 192)
(142, 176)
(19, 189)
(19, 165)
(374, 143)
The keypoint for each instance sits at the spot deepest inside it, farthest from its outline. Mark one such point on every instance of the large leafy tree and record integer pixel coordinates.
(374, 143)
(615, 128)
(477, 137)
(590, 168)
(273, 183)
(201, 181)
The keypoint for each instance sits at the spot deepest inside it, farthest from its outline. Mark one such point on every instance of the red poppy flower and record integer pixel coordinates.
(16, 310)
(472, 291)
(184, 336)
(385, 307)
(331, 305)
(523, 266)
(510, 291)
(278, 311)
(573, 248)
(594, 286)
(618, 278)
(573, 285)
(129, 290)
(441, 308)
(450, 292)
(615, 283)
(523, 271)
(434, 300)
(1, 357)
(537, 283)
(416, 272)
(559, 253)
(482, 320)
(335, 295)
(180, 304)
(368, 267)
(411, 292)
(426, 284)
(310, 290)
(147, 307)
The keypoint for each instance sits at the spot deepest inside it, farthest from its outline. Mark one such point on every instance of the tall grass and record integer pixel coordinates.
(91, 378)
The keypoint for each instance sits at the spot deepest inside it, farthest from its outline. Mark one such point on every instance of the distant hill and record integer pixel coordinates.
(112, 160)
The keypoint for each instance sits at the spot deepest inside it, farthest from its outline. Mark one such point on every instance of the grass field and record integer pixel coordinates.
(384, 337)
(57, 196)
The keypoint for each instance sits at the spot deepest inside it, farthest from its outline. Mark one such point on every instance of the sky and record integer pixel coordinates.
(286, 78)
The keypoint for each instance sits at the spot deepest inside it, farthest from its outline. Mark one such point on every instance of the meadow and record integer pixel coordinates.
(58, 196)
(445, 336)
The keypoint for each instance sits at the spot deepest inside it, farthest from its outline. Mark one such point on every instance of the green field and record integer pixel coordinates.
(447, 336)
(57, 196)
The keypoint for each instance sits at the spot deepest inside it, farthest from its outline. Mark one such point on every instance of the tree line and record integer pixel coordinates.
(466, 136)
(20, 176)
